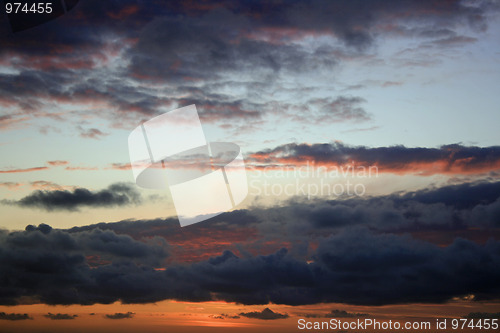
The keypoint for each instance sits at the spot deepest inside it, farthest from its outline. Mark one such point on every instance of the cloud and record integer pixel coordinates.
(119, 194)
(60, 316)
(266, 314)
(253, 53)
(367, 129)
(10, 185)
(225, 316)
(24, 170)
(57, 267)
(344, 314)
(14, 316)
(482, 315)
(342, 108)
(437, 215)
(48, 185)
(57, 163)
(328, 109)
(454, 41)
(461, 196)
(119, 315)
(91, 133)
(8, 122)
(449, 159)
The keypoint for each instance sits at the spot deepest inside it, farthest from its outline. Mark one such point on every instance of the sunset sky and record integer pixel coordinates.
(369, 131)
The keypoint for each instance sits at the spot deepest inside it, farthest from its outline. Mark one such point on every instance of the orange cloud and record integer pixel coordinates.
(24, 170)
(447, 160)
(57, 163)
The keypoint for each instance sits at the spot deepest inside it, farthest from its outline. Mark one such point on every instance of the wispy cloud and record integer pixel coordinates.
(10, 185)
(24, 170)
(57, 163)
(91, 133)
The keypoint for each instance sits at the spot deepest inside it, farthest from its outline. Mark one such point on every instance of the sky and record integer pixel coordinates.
(369, 131)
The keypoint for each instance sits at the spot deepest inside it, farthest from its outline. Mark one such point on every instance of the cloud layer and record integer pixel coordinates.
(448, 159)
(357, 251)
(257, 49)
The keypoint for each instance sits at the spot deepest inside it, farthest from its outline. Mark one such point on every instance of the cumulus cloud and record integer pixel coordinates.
(437, 215)
(53, 267)
(119, 194)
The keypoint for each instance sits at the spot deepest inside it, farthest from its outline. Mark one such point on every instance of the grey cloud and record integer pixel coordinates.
(91, 133)
(443, 211)
(355, 266)
(456, 158)
(119, 194)
(341, 108)
(183, 45)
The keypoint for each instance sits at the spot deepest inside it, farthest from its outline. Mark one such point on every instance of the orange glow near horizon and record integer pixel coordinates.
(194, 317)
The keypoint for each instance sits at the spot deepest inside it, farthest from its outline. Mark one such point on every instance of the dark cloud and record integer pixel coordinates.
(344, 314)
(354, 266)
(266, 314)
(446, 159)
(225, 316)
(14, 316)
(119, 315)
(482, 315)
(442, 213)
(193, 51)
(60, 316)
(467, 195)
(49, 264)
(206, 50)
(119, 194)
